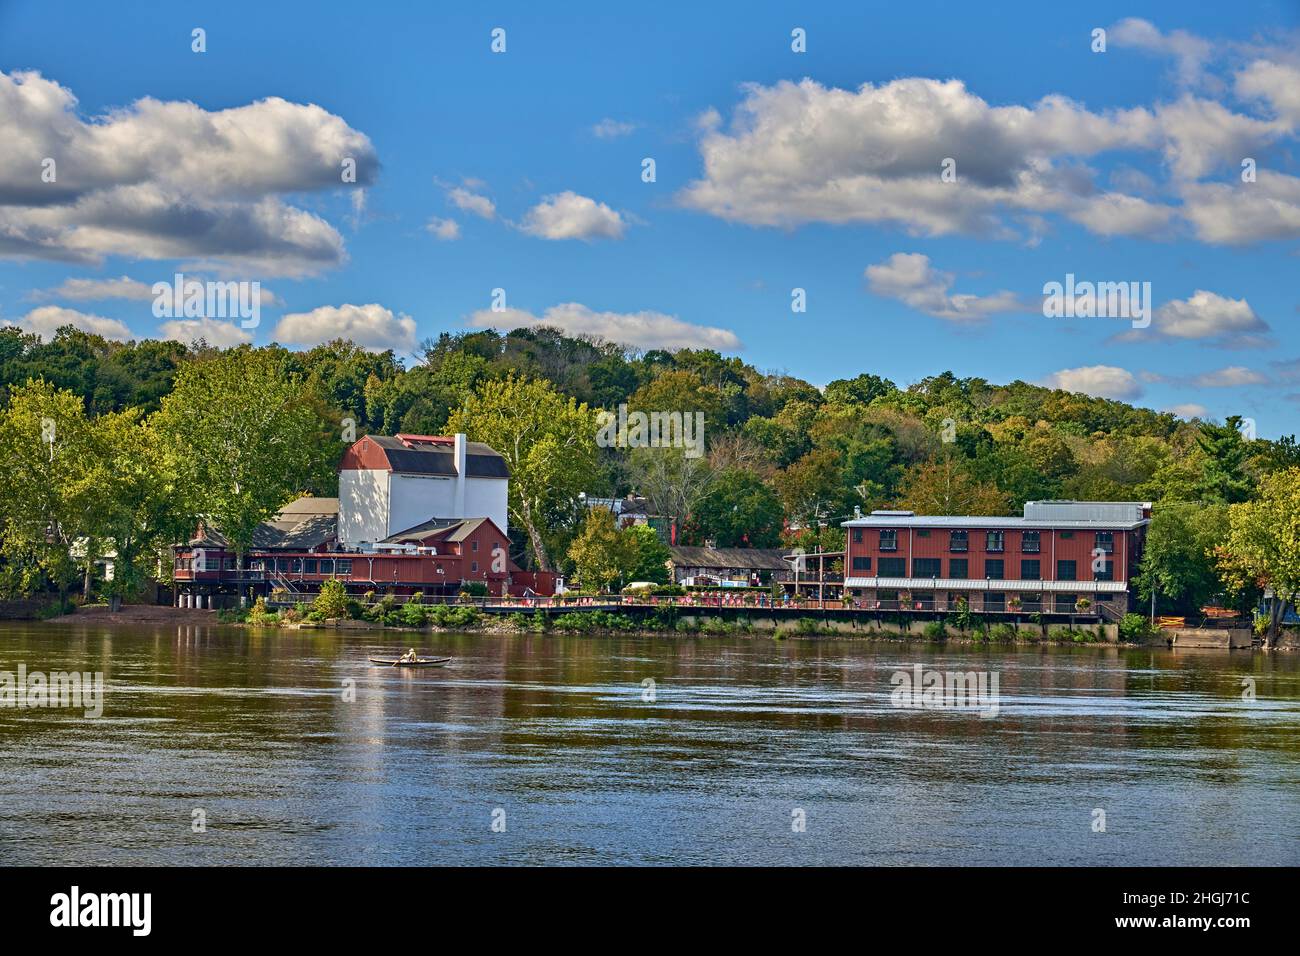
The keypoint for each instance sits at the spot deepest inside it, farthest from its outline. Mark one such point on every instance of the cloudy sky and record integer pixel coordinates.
(774, 170)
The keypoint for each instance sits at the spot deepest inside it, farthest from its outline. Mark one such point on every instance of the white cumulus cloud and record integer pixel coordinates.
(215, 332)
(647, 330)
(48, 319)
(570, 216)
(371, 326)
(166, 179)
(910, 278)
(1099, 381)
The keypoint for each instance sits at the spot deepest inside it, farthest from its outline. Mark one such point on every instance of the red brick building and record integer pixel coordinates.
(1057, 553)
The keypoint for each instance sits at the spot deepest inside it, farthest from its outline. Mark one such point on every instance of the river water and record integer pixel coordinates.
(227, 746)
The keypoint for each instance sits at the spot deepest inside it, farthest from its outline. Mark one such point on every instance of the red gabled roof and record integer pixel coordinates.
(422, 455)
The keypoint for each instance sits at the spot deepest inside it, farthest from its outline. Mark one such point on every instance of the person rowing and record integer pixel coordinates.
(409, 657)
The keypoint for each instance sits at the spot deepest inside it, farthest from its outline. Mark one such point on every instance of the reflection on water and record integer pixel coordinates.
(254, 728)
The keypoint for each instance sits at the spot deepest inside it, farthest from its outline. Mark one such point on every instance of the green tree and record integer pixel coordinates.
(246, 435)
(53, 484)
(141, 513)
(650, 555)
(601, 553)
(1224, 476)
(740, 511)
(1178, 557)
(549, 444)
(1263, 544)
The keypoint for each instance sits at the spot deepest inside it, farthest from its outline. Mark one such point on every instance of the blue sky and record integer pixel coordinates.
(775, 170)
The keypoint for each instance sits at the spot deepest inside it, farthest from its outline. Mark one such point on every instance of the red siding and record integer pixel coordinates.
(1053, 547)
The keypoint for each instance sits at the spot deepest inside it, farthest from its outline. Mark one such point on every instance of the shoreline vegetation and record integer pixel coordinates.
(412, 618)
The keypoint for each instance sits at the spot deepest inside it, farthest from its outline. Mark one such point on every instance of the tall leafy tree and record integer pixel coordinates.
(53, 483)
(601, 553)
(246, 435)
(142, 512)
(1178, 556)
(1263, 544)
(548, 442)
(740, 511)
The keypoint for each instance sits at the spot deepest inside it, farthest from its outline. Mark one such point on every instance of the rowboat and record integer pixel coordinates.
(418, 662)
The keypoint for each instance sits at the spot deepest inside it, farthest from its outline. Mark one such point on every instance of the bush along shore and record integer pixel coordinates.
(334, 608)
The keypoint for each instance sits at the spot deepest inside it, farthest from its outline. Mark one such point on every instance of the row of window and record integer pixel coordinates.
(1031, 569)
(307, 565)
(994, 541)
(287, 565)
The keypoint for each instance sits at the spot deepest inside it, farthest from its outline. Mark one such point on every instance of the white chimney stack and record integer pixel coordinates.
(459, 503)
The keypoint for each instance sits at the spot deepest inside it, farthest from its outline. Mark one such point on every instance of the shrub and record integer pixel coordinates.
(411, 614)
(583, 622)
(1134, 627)
(935, 631)
(258, 614)
(332, 600)
(452, 616)
(474, 589)
(1003, 633)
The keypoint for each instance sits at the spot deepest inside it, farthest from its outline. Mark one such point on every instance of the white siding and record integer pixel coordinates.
(486, 498)
(416, 498)
(363, 506)
(374, 504)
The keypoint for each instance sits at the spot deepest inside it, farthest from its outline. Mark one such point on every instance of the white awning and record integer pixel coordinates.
(984, 584)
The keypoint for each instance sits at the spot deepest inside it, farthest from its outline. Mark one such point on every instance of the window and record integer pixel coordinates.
(1067, 535)
(995, 568)
(993, 540)
(888, 540)
(1065, 603)
(892, 568)
(344, 565)
(995, 601)
(926, 567)
(327, 566)
(1029, 542)
(861, 564)
(1031, 570)
(473, 567)
(958, 540)
(282, 564)
(958, 567)
(857, 535)
(923, 600)
(473, 545)
(310, 565)
(1106, 541)
(1067, 571)
(230, 564)
(211, 564)
(1106, 571)
(297, 566)
(923, 533)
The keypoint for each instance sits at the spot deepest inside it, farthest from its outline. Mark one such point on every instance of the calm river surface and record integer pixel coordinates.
(552, 735)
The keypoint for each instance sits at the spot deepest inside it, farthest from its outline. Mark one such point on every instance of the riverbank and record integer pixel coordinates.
(610, 624)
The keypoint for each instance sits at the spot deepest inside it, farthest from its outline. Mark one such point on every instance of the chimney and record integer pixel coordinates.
(459, 500)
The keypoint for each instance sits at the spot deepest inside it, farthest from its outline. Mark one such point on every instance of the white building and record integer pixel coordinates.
(390, 484)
